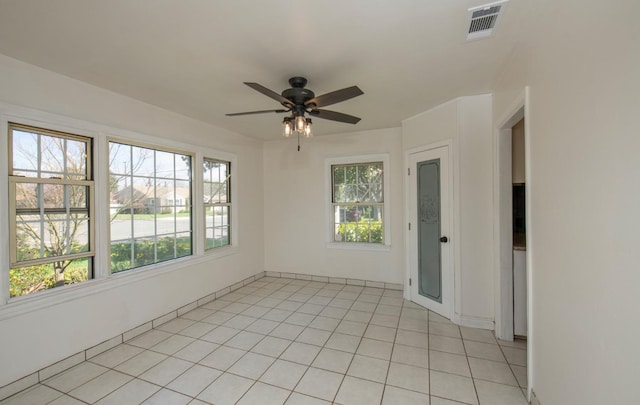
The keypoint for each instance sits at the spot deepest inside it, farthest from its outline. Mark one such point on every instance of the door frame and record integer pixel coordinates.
(449, 211)
(502, 206)
(502, 229)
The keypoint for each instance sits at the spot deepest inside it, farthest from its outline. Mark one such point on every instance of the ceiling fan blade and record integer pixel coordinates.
(256, 112)
(269, 93)
(334, 116)
(335, 96)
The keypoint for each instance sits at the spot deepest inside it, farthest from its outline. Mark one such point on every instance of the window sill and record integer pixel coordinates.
(358, 246)
(55, 296)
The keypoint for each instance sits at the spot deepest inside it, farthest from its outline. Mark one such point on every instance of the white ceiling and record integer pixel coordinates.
(191, 56)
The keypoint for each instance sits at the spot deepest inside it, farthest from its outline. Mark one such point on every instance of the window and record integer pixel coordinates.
(51, 209)
(150, 205)
(357, 198)
(217, 202)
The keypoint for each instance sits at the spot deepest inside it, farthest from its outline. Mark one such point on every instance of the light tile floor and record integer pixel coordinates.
(285, 341)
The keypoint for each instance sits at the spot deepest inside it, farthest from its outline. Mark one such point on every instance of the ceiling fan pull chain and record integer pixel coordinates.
(298, 141)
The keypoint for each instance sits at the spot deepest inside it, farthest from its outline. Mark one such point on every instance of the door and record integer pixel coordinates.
(430, 247)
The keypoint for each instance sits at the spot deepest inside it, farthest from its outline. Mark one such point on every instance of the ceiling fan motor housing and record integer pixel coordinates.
(297, 94)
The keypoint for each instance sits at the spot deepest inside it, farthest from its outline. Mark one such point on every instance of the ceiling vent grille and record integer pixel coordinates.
(483, 19)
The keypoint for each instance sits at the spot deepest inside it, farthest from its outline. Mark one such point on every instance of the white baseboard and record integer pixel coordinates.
(473, 321)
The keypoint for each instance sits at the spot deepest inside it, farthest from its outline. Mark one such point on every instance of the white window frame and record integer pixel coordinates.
(13, 211)
(329, 210)
(230, 188)
(102, 278)
(158, 148)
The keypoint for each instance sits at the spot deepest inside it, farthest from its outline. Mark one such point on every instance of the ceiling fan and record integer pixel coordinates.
(298, 100)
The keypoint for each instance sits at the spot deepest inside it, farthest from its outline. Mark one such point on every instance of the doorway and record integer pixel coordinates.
(430, 252)
(507, 232)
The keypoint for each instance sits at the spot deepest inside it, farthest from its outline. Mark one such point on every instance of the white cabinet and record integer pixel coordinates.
(519, 293)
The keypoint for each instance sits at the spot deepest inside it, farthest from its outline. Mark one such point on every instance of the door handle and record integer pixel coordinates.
(444, 239)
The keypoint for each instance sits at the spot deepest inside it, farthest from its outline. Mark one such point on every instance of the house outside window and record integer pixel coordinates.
(358, 202)
(51, 193)
(150, 205)
(217, 202)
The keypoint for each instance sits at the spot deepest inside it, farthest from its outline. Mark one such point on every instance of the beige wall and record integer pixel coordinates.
(63, 325)
(465, 121)
(581, 62)
(295, 207)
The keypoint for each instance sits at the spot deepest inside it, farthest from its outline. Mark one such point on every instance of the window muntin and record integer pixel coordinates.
(217, 202)
(51, 208)
(357, 197)
(150, 205)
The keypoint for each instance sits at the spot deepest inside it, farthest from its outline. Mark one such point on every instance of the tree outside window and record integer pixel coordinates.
(51, 203)
(358, 202)
(150, 205)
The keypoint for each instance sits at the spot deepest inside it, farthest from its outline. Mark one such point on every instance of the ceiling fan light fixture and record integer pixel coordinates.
(307, 128)
(300, 123)
(287, 127)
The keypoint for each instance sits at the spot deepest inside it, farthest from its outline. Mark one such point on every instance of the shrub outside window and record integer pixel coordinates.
(217, 202)
(150, 205)
(358, 202)
(51, 208)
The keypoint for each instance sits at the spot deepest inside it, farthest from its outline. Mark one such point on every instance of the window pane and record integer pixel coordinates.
(216, 191)
(52, 151)
(183, 219)
(51, 235)
(156, 199)
(144, 251)
(121, 253)
(52, 217)
(166, 248)
(28, 236)
(183, 244)
(78, 196)
(210, 240)
(53, 195)
(142, 161)
(119, 159)
(26, 280)
(121, 224)
(207, 193)
(164, 165)
(143, 225)
(183, 167)
(25, 153)
(26, 195)
(76, 159)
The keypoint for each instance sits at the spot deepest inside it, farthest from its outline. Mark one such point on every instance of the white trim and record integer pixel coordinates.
(450, 287)
(4, 211)
(473, 322)
(528, 173)
(520, 108)
(386, 167)
(198, 176)
(358, 246)
(503, 246)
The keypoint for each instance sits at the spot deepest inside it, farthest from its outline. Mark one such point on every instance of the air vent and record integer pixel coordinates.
(483, 19)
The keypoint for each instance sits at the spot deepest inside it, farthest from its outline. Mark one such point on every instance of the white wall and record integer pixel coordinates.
(69, 322)
(581, 62)
(295, 208)
(467, 122)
